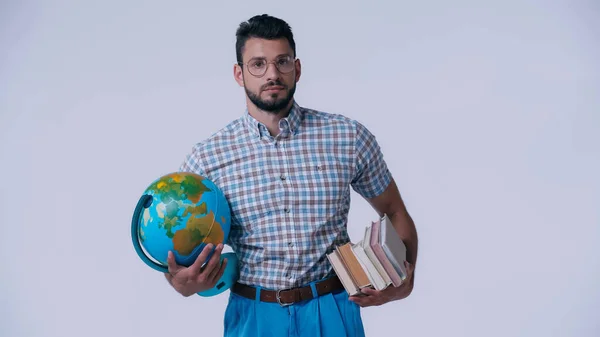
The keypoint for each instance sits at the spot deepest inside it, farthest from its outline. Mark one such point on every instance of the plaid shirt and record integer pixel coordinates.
(290, 194)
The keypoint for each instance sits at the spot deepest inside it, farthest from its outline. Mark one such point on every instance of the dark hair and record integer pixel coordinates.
(264, 27)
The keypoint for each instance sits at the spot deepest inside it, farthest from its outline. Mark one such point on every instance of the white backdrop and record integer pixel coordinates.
(488, 114)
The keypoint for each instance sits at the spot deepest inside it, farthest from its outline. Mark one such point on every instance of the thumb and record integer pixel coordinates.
(172, 265)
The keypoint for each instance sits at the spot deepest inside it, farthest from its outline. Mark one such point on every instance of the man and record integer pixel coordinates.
(287, 172)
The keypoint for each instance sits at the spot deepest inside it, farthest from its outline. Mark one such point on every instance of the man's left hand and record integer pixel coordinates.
(374, 297)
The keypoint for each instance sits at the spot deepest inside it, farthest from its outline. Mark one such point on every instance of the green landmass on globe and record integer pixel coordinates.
(178, 191)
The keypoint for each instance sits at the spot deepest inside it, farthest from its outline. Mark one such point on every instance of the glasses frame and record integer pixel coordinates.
(293, 59)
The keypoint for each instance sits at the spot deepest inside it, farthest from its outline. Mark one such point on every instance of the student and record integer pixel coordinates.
(287, 172)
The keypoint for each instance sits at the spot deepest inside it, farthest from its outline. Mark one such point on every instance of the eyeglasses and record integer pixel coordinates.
(258, 66)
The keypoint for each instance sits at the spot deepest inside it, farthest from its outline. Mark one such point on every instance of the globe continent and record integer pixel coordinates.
(187, 212)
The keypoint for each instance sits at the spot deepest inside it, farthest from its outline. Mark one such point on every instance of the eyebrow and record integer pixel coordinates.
(263, 57)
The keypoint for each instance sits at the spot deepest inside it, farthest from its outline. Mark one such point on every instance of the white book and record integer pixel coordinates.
(377, 260)
(371, 254)
(366, 264)
(393, 246)
(342, 273)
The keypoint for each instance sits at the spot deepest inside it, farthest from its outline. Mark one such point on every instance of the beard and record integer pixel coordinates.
(273, 106)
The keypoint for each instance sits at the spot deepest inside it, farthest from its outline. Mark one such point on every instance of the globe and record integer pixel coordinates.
(182, 212)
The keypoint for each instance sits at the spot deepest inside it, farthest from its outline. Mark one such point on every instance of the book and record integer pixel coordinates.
(342, 273)
(375, 278)
(350, 261)
(376, 261)
(378, 247)
(393, 247)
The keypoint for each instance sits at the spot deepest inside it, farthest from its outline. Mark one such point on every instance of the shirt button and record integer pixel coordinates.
(319, 168)
(282, 177)
(287, 210)
(291, 244)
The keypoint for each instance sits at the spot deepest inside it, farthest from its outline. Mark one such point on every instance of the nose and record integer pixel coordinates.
(272, 73)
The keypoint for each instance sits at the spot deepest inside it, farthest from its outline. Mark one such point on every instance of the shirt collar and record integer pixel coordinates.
(288, 125)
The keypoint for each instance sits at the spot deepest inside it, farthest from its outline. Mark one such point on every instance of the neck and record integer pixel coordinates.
(269, 118)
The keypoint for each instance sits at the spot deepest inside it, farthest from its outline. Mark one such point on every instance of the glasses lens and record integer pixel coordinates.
(285, 65)
(258, 67)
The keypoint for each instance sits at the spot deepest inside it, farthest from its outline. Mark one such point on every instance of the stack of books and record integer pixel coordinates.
(376, 261)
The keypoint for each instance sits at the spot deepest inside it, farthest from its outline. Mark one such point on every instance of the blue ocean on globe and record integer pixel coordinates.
(186, 213)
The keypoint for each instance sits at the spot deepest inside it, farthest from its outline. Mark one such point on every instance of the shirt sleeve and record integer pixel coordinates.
(371, 173)
(193, 163)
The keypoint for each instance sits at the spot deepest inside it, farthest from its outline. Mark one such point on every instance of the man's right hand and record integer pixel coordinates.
(195, 278)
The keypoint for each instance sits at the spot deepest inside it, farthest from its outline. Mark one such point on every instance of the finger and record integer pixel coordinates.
(213, 262)
(218, 272)
(354, 299)
(362, 301)
(172, 265)
(370, 292)
(196, 267)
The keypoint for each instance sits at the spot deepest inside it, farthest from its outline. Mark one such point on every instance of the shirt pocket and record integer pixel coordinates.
(323, 187)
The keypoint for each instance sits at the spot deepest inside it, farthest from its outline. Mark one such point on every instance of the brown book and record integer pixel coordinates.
(375, 262)
(342, 272)
(360, 278)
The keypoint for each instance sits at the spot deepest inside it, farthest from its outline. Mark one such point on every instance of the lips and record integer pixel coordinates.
(274, 88)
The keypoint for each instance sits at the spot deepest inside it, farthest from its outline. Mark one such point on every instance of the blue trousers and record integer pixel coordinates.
(329, 315)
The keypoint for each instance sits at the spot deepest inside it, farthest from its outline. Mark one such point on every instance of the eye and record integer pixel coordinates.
(257, 64)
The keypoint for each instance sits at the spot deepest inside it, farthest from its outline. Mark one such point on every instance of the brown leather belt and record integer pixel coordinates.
(287, 297)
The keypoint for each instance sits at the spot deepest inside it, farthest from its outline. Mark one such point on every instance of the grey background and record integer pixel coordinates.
(487, 112)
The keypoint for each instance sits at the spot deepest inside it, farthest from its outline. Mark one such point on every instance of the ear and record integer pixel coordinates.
(238, 74)
(298, 70)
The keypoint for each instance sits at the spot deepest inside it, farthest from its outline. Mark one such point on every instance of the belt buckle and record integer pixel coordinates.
(277, 295)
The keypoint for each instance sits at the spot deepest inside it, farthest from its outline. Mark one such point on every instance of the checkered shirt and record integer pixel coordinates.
(290, 194)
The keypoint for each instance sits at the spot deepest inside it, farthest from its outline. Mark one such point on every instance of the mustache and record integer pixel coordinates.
(273, 84)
